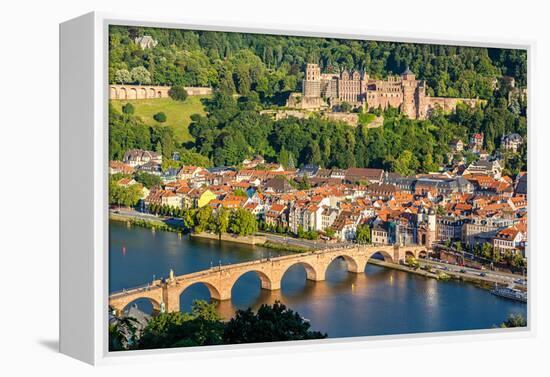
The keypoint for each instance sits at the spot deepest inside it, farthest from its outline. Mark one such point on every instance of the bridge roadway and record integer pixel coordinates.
(220, 279)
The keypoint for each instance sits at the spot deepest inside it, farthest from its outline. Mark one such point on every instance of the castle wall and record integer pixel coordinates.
(132, 92)
(446, 104)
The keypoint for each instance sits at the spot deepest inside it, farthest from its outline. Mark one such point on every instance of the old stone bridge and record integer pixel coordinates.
(220, 280)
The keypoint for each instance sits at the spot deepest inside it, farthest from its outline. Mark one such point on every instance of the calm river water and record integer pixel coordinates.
(380, 301)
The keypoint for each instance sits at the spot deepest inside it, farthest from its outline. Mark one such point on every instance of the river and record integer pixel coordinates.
(380, 301)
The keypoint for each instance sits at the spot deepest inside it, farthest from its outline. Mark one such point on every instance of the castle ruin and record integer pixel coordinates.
(324, 90)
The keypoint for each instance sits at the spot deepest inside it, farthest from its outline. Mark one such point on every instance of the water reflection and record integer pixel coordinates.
(378, 301)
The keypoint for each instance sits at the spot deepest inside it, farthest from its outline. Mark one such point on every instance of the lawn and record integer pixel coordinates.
(178, 114)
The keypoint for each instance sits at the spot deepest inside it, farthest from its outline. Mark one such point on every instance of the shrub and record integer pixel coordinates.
(160, 117)
(178, 93)
(128, 109)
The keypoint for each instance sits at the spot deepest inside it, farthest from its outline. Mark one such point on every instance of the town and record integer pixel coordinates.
(343, 178)
(472, 208)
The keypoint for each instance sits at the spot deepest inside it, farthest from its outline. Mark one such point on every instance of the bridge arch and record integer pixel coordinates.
(213, 290)
(312, 273)
(265, 281)
(383, 253)
(122, 300)
(352, 263)
(154, 304)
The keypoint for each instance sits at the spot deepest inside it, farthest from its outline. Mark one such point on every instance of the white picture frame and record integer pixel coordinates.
(83, 185)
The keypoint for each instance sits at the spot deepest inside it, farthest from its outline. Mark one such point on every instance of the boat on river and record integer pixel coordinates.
(510, 293)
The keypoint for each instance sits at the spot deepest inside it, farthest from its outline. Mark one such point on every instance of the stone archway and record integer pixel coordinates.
(122, 300)
(142, 94)
(265, 281)
(214, 291)
(122, 94)
(312, 273)
(384, 253)
(133, 93)
(154, 303)
(151, 93)
(353, 264)
(113, 93)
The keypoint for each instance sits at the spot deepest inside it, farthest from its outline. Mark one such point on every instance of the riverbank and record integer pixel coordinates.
(286, 247)
(158, 224)
(403, 268)
(144, 223)
(248, 240)
(480, 282)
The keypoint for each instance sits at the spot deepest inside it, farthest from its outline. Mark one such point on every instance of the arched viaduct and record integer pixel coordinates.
(220, 280)
(131, 92)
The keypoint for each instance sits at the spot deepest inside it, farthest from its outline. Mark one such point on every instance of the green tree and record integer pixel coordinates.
(487, 250)
(147, 180)
(514, 320)
(200, 327)
(240, 192)
(270, 323)
(122, 333)
(160, 117)
(221, 221)
(243, 222)
(127, 196)
(189, 218)
(178, 93)
(405, 164)
(457, 246)
(140, 75)
(122, 76)
(345, 107)
(362, 234)
(128, 108)
(286, 159)
(203, 218)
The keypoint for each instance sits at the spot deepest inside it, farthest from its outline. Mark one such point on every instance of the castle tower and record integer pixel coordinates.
(312, 81)
(409, 84)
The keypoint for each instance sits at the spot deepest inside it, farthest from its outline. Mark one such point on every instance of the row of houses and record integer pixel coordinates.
(476, 206)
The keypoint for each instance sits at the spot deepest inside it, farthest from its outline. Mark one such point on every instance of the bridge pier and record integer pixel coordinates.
(359, 266)
(319, 275)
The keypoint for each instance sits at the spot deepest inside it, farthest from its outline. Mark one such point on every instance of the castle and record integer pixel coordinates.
(358, 89)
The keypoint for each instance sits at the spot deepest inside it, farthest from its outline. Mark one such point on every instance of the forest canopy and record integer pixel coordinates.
(269, 64)
(251, 72)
